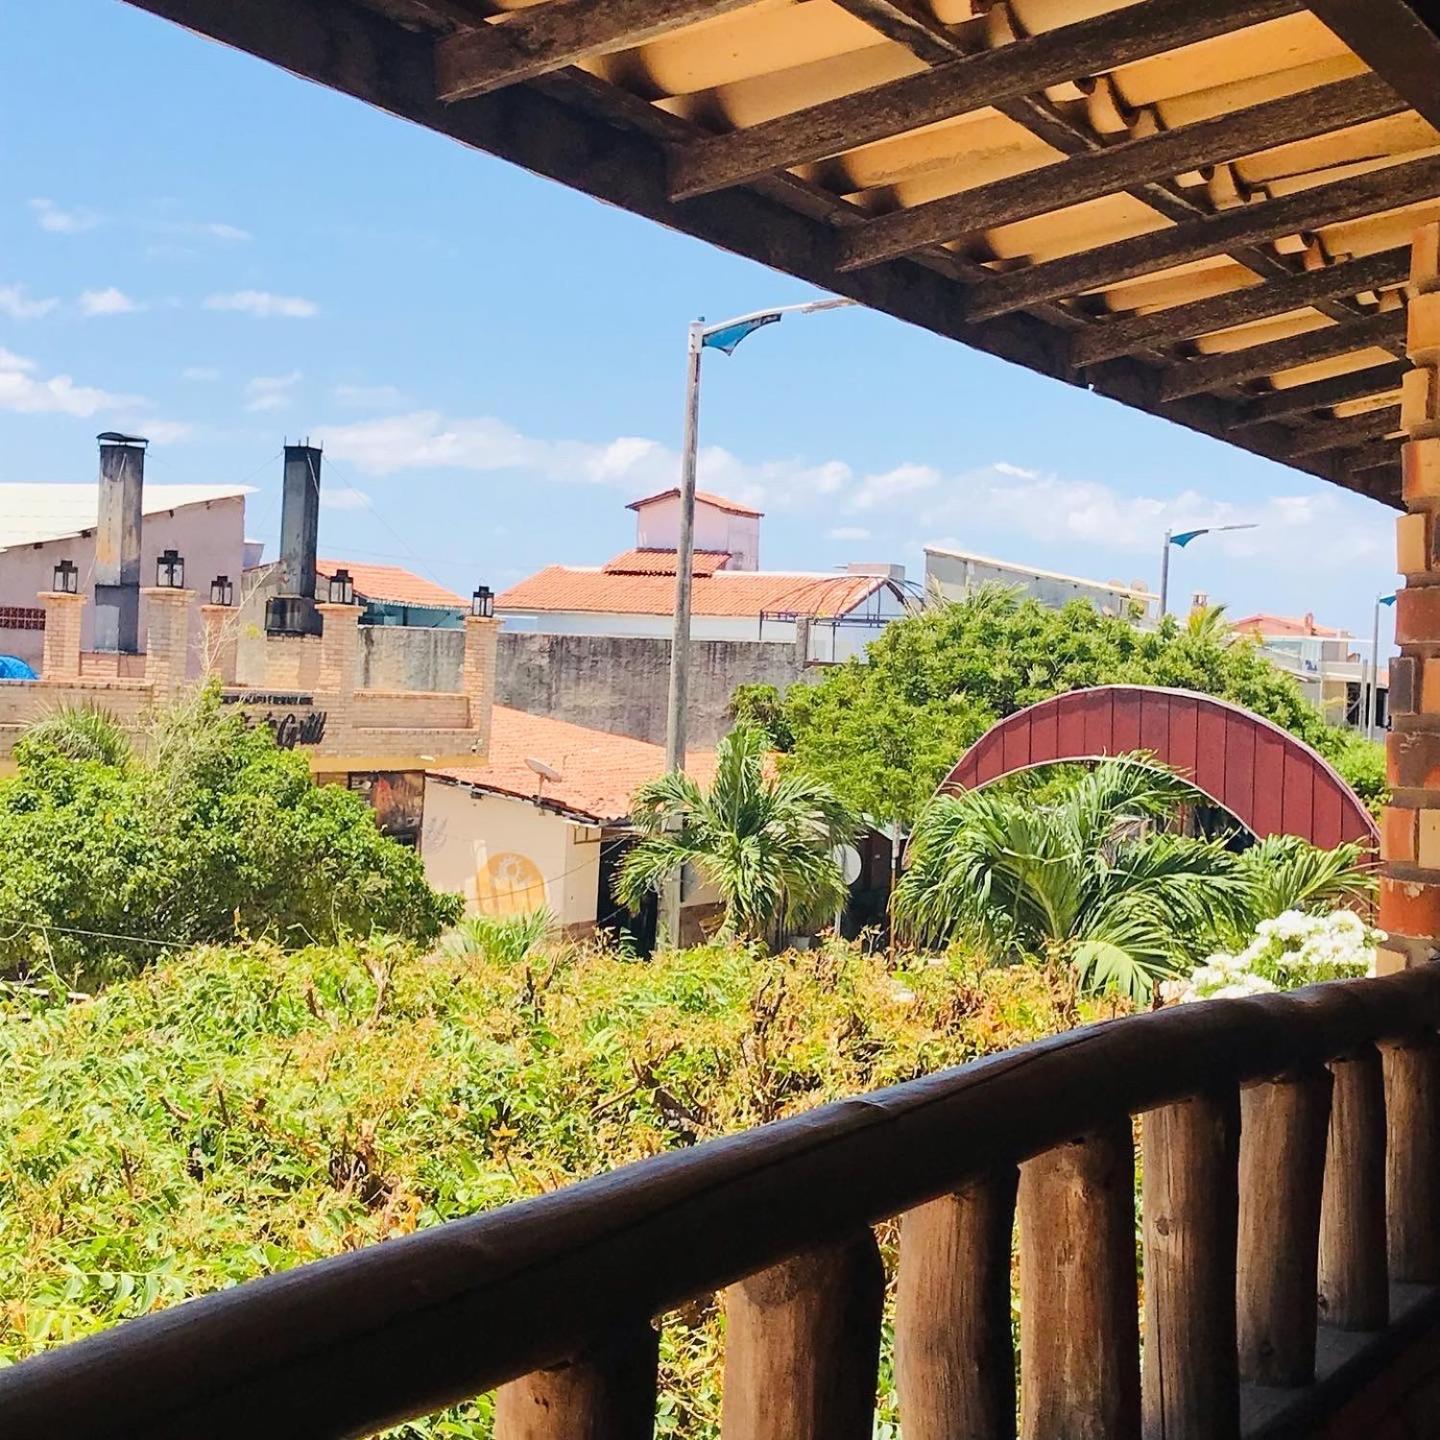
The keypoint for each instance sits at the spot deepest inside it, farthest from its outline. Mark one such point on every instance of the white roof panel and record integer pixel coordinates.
(30, 514)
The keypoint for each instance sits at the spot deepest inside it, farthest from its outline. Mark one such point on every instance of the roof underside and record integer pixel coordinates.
(1201, 208)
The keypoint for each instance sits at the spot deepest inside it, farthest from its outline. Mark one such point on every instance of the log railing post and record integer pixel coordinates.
(1412, 1160)
(1191, 1201)
(802, 1347)
(1354, 1283)
(1283, 1127)
(608, 1394)
(954, 1350)
(1079, 1320)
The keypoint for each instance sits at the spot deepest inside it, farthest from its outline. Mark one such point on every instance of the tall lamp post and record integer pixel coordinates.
(700, 337)
(1181, 538)
(1372, 696)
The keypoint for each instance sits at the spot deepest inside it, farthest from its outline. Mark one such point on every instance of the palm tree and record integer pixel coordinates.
(766, 843)
(1284, 872)
(81, 732)
(1085, 880)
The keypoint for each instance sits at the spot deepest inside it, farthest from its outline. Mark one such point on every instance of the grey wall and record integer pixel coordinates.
(401, 657)
(620, 683)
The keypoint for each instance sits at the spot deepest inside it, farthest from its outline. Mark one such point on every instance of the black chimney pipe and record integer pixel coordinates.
(117, 542)
(292, 611)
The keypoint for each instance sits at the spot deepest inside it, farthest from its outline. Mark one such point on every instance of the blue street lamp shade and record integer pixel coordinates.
(1387, 599)
(728, 338)
(1186, 536)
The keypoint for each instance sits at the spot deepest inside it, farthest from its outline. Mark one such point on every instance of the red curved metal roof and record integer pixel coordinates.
(1271, 782)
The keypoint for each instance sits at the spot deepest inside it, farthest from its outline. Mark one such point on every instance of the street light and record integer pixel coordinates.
(725, 337)
(66, 579)
(170, 570)
(222, 592)
(1372, 690)
(342, 588)
(1181, 539)
(482, 603)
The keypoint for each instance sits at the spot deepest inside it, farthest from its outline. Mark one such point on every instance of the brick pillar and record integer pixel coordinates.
(478, 676)
(339, 648)
(222, 639)
(61, 658)
(291, 662)
(167, 639)
(1410, 832)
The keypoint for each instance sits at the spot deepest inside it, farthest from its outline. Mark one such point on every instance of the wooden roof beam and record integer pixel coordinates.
(1324, 394)
(1377, 455)
(1121, 167)
(1395, 42)
(1388, 188)
(1338, 434)
(1128, 334)
(1234, 367)
(541, 38)
(970, 83)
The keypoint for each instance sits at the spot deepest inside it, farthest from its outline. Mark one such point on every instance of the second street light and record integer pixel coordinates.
(1182, 538)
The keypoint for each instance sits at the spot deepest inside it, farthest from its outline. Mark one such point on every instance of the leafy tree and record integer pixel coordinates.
(1085, 881)
(1283, 873)
(766, 843)
(211, 833)
(882, 732)
(81, 732)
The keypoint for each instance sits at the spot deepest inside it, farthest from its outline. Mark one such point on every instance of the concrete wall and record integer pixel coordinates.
(958, 575)
(620, 684)
(398, 657)
(210, 535)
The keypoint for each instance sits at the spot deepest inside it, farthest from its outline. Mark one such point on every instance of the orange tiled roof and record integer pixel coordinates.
(662, 562)
(706, 497)
(727, 592)
(394, 584)
(1263, 624)
(599, 772)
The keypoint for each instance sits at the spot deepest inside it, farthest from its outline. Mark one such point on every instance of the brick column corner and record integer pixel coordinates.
(1410, 832)
(167, 639)
(482, 639)
(222, 641)
(60, 659)
(339, 648)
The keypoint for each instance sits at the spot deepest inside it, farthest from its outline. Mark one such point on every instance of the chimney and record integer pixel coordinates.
(117, 542)
(292, 611)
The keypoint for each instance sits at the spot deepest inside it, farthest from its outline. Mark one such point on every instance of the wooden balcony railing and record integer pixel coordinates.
(1291, 1177)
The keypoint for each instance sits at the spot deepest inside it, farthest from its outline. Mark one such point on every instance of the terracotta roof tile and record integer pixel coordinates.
(708, 497)
(1263, 624)
(599, 772)
(663, 562)
(394, 584)
(727, 592)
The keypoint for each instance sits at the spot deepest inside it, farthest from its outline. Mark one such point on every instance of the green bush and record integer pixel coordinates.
(214, 834)
(239, 1111)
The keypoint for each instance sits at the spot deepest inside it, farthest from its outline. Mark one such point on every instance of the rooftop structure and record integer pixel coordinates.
(958, 573)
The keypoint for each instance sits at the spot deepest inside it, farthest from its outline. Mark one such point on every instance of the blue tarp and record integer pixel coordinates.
(14, 668)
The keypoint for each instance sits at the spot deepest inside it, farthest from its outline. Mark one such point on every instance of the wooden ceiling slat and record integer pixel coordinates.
(1120, 167)
(1348, 199)
(1395, 42)
(547, 37)
(1021, 68)
(1325, 394)
(1127, 334)
(907, 23)
(1339, 434)
(1377, 455)
(1210, 372)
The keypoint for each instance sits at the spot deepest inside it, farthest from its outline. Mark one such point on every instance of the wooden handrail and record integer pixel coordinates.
(342, 1347)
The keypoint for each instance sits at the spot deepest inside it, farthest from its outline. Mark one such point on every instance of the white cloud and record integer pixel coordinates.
(345, 497)
(17, 305)
(262, 304)
(49, 216)
(25, 392)
(368, 397)
(891, 485)
(1019, 472)
(109, 301)
(201, 373)
(218, 230)
(270, 392)
(165, 432)
(848, 532)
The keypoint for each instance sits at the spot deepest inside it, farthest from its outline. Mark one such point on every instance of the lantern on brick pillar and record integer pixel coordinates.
(66, 579)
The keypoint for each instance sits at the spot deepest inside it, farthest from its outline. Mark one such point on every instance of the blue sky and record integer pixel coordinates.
(200, 246)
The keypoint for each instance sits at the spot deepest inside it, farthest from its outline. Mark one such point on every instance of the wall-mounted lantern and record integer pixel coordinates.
(482, 603)
(342, 588)
(222, 592)
(170, 570)
(66, 580)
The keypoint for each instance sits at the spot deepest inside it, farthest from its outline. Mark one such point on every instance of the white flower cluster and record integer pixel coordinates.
(1291, 950)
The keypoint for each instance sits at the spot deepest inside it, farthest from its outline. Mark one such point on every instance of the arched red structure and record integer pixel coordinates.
(1271, 782)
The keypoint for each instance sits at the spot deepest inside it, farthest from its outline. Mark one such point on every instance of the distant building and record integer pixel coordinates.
(956, 574)
(1328, 664)
(41, 525)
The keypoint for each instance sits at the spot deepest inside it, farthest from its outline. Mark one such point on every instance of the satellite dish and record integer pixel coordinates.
(544, 771)
(848, 858)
